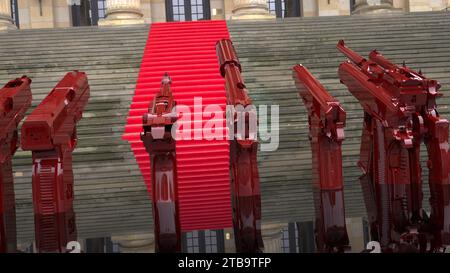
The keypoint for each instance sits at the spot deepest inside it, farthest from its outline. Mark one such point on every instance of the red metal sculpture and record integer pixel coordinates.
(243, 154)
(15, 99)
(50, 133)
(160, 145)
(399, 113)
(326, 120)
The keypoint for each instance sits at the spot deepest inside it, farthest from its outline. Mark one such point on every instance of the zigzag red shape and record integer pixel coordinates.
(186, 50)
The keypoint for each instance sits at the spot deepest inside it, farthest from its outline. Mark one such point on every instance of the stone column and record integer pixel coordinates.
(251, 9)
(122, 12)
(272, 234)
(373, 6)
(6, 22)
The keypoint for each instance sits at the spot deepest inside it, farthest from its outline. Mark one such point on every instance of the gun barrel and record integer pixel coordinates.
(312, 86)
(350, 54)
(226, 55)
(378, 58)
(53, 120)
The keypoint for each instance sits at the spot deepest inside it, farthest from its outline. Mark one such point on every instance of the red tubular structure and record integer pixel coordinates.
(399, 113)
(243, 155)
(50, 133)
(326, 132)
(160, 145)
(15, 99)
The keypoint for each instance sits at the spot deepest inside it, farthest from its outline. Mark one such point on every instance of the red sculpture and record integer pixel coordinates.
(326, 120)
(399, 113)
(243, 154)
(160, 145)
(50, 133)
(15, 99)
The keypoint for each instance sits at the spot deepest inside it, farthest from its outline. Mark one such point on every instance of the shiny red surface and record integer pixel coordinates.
(246, 194)
(400, 114)
(161, 147)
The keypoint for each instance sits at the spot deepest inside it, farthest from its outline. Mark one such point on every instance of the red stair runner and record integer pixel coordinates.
(186, 50)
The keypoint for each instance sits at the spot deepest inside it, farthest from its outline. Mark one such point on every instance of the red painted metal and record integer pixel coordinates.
(15, 99)
(160, 145)
(186, 50)
(50, 133)
(326, 120)
(399, 113)
(245, 187)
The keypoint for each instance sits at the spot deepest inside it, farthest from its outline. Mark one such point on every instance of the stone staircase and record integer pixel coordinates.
(269, 49)
(111, 196)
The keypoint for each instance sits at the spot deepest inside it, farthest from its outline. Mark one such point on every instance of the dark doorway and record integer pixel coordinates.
(285, 8)
(15, 12)
(352, 5)
(187, 10)
(88, 12)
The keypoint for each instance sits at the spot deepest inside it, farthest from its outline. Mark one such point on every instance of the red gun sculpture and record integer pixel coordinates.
(243, 154)
(160, 145)
(15, 99)
(50, 133)
(399, 113)
(326, 120)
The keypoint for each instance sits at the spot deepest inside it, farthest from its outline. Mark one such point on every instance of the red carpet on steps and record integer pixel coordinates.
(186, 50)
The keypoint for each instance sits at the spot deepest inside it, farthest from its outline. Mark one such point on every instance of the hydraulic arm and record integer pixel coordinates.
(15, 99)
(399, 114)
(160, 145)
(326, 120)
(243, 153)
(50, 133)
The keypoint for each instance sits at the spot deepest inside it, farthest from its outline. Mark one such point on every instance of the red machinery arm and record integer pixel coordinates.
(50, 133)
(160, 145)
(400, 112)
(243, 155)
(326, 131)
(15, 99)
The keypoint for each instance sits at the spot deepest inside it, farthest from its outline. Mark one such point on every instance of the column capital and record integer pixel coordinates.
(251, 9)
(6, 21)
(122, 12)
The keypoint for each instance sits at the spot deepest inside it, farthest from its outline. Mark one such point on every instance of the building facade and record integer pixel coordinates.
(26, 14)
